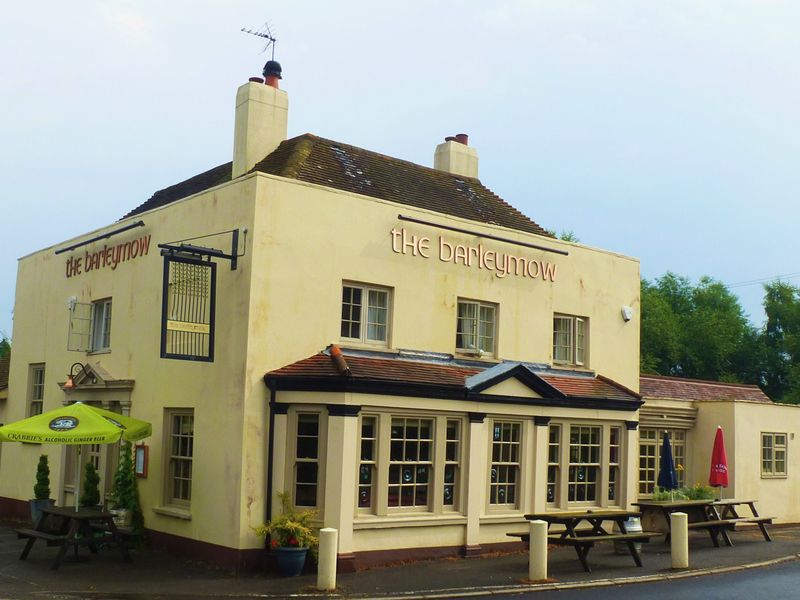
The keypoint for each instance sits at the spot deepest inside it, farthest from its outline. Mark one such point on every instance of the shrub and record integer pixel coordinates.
(290, 529)
(90, 495)
(41, 491)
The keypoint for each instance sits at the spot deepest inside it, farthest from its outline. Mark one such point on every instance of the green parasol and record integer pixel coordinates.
(76, 424)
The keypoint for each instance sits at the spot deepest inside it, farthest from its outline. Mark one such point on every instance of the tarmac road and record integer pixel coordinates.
(778, 582)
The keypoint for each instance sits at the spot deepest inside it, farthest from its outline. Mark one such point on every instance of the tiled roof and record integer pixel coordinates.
(660, 386)
(440, 373)
(316, 160)
(362, 367)
(5, 365)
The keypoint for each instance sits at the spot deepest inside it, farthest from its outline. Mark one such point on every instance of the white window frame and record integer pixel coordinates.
(367, 309)
(581, 463)
(650, 442)
(301, 460)
(36, 374)
(769, 455)
(101, 326)
(402, 465)
(440, 460)
(184, 457)
(554, 431)
(505, 465)
(572, 340)
(474, 327)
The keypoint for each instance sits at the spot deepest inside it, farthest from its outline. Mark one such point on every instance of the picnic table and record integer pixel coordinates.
(584, 538)
(65, 527)
(718, 517)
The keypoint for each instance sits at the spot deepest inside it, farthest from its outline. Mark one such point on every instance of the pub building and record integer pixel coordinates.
(391, 344)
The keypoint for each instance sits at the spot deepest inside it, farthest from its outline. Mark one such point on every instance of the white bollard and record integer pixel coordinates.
(537, 556)
(326, 567)
(679, 535)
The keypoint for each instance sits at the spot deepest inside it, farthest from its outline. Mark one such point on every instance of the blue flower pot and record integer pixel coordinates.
(290, 560)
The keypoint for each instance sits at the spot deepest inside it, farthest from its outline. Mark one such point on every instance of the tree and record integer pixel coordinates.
(781, 339)
(5, 346)
(697, 331)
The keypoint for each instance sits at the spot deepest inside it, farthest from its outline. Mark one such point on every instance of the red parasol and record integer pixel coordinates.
(719, 462)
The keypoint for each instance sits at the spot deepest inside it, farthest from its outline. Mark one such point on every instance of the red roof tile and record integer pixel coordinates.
(660, 386)
(402, 370)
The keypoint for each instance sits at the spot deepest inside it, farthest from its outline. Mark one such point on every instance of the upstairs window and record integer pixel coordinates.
(101, 326)
(365, 314)
(569, 339)
(476, 327)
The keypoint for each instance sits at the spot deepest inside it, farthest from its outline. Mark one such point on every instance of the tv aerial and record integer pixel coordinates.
(266, 34)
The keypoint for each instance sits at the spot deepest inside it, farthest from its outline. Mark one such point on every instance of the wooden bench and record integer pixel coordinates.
(716, 527)
(52, 539)
(584, 542)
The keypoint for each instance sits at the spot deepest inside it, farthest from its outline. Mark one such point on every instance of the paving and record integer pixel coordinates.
(154, 574)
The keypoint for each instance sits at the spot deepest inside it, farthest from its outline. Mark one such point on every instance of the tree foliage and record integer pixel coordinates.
(5, 346)
(696, 331)
(781, 341)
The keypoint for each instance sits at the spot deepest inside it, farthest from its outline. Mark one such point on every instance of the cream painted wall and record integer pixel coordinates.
(281, 305)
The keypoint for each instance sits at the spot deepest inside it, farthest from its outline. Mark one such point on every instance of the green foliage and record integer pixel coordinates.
(695, 492)
(782, 342)
(5, 346)
(567, 236)
(90, 495)
(291, 528)
(124, 491)
(41, 491)
(696, 331)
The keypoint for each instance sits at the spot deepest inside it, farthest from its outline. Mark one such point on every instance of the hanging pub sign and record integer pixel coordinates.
(187, 312)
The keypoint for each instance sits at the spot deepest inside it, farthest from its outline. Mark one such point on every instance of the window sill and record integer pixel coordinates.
(767, 476)
(174, 512)
(409, 520)
(570, 367)
(485, 357)
(100, 351)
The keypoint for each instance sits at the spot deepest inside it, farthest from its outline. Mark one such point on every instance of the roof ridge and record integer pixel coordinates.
(703, 381)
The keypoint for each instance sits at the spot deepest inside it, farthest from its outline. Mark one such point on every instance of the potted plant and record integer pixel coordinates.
(90, 495)
(41, 491)
(124, 493)
(291, 537)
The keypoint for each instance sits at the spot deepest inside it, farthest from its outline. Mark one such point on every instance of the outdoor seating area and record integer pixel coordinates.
(584, 538)
(69, 528)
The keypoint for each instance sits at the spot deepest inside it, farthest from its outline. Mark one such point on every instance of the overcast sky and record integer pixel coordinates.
(667, 131)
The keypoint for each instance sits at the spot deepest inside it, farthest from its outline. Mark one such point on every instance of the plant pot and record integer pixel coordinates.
(290, 560)
(36, 507)
(122, 517)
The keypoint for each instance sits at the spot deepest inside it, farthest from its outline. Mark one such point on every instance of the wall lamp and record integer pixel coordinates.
(70, 383)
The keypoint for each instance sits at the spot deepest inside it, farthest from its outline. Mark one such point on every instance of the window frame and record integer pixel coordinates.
(475, 332)
(436, 482)
(772, 472)
(100, 331)
(363, 321)
(578, 355)
(408, 460)
(679, 444)
(599, 466)
(303, 460)
(514, 463)
(171, 459)
(36, 388)
(553, 466)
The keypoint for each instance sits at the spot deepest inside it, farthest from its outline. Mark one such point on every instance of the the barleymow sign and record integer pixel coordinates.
(478, 256)
(107, 256)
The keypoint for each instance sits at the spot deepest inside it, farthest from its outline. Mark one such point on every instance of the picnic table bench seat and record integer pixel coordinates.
(52, 539)
(555, 538)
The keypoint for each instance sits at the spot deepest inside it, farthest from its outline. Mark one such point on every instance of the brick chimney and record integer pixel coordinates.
(456, 157)
(261, 122)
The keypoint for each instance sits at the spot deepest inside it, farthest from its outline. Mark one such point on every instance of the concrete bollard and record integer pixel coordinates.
(679, 532)
(537, 552)
(326, 567)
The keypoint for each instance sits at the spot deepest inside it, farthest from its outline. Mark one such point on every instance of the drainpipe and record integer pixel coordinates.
(270, 452)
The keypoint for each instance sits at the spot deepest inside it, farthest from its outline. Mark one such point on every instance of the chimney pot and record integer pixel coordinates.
(450, 138)
(256, 80)
(462, 138)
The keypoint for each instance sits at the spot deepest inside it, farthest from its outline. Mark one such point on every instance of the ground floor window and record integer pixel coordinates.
(650, 441)
(553, 463)
(418, 459)
(306, 468)
(180, 452)
(773, 455)
(584, 463)
(504, 470)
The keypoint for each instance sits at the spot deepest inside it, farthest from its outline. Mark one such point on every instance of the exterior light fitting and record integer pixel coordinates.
(70, 383)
